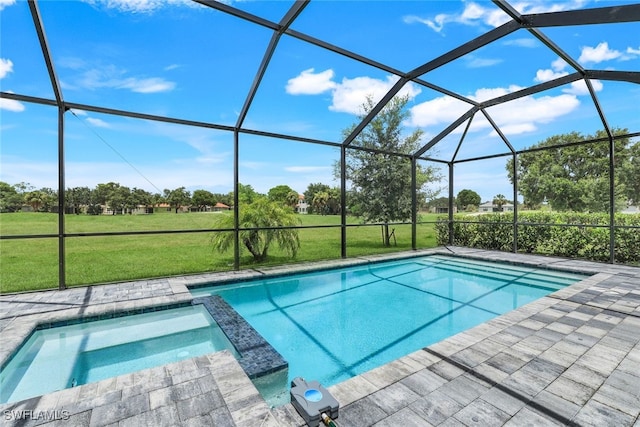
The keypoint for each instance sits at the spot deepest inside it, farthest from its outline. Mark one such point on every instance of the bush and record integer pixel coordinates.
(586, 235)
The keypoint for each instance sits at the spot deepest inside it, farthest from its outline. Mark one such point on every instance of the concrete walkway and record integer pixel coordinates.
(571, 358)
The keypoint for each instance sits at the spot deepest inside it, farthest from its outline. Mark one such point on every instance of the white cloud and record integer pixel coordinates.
(484, 94)
(72, 62)
(472, 14)
(444, 109)
(349, 95)
(11, 105)
(5, 3)
(559, 64)
(633, 51)
(547, 75)
(310, 83)
(557, 70)
(475, 14)
(111, 77)
(98, 122)
(436, 24)
(579, 87)
(6, 67)
(518, 116)
(523, 42)
(172, 67)
(307, 169)
(524, 114)
(598, 54)
(211, 147)
(474, 62)
(138, 6)
(150, 85)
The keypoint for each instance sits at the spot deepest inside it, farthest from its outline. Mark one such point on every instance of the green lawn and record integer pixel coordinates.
(31, 264)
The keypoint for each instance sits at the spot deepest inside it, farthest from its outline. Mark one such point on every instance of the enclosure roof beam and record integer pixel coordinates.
(532, 90)
(368, 61)
(498, 131)
(286, 21)
(173, 120)
(446, 132)
(143, 116)
(521, 19)
(462, 138)
(46, 52)
(27, 98)
(596, 103)
(164, 119)
(466, 48)
(553, 147)
(600, 15)
(622, 76)
(222, 7)
(453, 54)
(321, 43)
(375, 110)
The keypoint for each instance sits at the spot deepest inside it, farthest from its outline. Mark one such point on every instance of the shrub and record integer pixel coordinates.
(577, 235)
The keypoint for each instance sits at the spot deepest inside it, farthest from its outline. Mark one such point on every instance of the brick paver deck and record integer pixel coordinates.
(570, 358)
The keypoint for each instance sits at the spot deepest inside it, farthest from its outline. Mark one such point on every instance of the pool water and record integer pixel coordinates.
(336, 324)
(66, 356)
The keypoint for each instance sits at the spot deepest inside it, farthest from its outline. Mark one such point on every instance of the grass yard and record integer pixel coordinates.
(32, 264)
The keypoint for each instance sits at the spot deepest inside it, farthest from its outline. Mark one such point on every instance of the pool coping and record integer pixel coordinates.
(257, 356)
(356, 391)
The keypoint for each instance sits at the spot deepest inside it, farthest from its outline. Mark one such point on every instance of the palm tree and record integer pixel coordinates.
(319, 202)
(35, 199)
(499, 200)
(262, 213)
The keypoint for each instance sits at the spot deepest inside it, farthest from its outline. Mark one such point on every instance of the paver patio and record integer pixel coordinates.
(570, 358)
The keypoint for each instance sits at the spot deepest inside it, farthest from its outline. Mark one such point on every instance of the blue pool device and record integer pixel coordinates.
(313, 402)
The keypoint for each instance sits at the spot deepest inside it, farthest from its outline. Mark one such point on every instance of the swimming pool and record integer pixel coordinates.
(335, 324)
(66, 356)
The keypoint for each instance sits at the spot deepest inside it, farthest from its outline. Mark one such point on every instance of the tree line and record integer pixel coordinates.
(321, 198)
(575, 177)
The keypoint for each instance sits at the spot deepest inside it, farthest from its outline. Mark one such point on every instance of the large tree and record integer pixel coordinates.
(467, 198)
(322, 199)
(284, 195)
(10, 199)
(177, 198)
(381, 183)
(246, 194)
(630, 174)
(575, 177)
(202, 199)
(259, 214)
(78, 197)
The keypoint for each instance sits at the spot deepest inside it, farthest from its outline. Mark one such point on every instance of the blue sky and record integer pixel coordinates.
(183, 60)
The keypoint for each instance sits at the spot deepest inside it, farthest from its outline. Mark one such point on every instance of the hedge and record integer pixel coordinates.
(581, 239)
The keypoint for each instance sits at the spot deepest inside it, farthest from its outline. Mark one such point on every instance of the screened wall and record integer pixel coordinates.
(171, 97)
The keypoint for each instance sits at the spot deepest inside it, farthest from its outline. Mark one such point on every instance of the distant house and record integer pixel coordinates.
(440, 206)
(302, 206)
(490, 207)
(220, 207)
(442, 209)
(166, 207)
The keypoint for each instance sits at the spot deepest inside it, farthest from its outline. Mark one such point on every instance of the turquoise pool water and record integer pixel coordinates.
(335, 324)
(62, 357)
